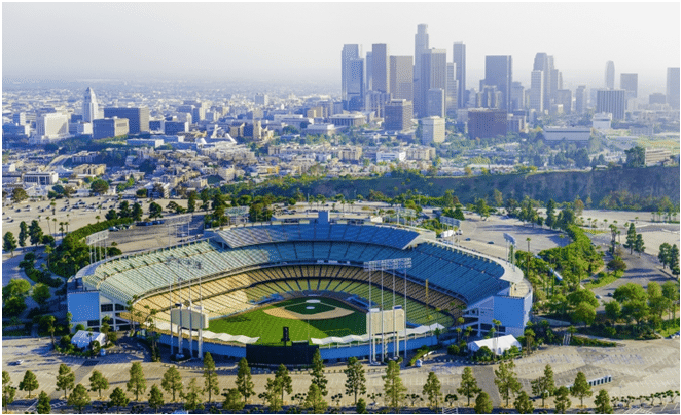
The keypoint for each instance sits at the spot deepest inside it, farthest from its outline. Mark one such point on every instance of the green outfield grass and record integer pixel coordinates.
(269, 328)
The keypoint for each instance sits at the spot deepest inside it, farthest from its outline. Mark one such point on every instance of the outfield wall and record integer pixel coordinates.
(331, 354)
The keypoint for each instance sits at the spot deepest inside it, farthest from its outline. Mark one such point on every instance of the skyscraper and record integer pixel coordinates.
(498, 73)
(564, 98)
(543, 64)
(402, 77)
(433, 76)
(349, 53)
(451, 98)
(580, 99)
(380, 68)
(139, 117)
(610, 75)
(460, 61)
(398, 115)
(368, 72)
(435, 102)
(90, 106)
(421, 46)
(611, 101)
(537, 91)
(517, 96)
(629, 83)
(673, 87)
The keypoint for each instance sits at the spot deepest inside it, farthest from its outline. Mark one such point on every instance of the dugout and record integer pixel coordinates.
(295, 354)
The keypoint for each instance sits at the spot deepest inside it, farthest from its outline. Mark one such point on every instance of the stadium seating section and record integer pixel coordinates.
(253, 257)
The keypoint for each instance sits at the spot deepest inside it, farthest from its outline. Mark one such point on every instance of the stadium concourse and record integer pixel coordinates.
(236, 270)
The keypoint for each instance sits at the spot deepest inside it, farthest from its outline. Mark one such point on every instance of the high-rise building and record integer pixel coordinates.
(498, 73)
(380, 68)
(517, 96)
(90, 106)
(398, 113)
(673, 87)
(611, 101)
(435, 102)
(421, 46)
(433, 76)
(543, 63)
(433, 130)
(629, 83)
(564, 98)
(402, 77)
(349, 53)
(451, 98)
(556, 83)
(610, 75)
(110, 127)
(355, 91)
(138, 116)
(260, 99)
(368, 72)
(19, 118)
(460, 61)
(487, 123)
(537, 91)
(52, 125)
(657, 98)
(580, 99)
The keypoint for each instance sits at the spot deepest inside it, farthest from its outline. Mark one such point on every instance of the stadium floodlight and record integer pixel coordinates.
(187, 263)
(94, 239)
(392, 264)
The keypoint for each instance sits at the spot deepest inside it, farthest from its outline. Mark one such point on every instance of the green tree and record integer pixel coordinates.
(99, 186)
(210, 376)
(14, 306)
(543, 386)
(631, 237)
(137, 383)
(137, 212)
(23, 234)
(65, 379)
(192, 397)
(9, 243)
(155, 210)
(483, 404)
(664, 253)
(315, 400)
(244, 382)
(30, 383)
(612, 310)
(581, 388)
(8, 391)
(636, 157)
(19, 194)
(172, 381)
(318, 377)
(469, 386)
(98, 382)
(562, 400)
(118, 399)
(361, 406)
(432, 390)
(41, 293)
(523, 403)
(155, 398)
(393, 389)
(356, 381)
(551, 214)
(506, 380)
(674, 259)
(273, 395)
(603, 402)
(79, 398)
(191, 202)
(670, 291)
(43, 406)
(15, 288)
(285, 382)
(585, 313)
(233, 400)
(35, 233)
(639, 245)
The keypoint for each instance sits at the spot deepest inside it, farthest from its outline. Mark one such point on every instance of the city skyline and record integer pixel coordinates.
(208, 40)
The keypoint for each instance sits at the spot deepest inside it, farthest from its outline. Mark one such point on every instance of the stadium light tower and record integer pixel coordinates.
(187, 264)
(393, 264)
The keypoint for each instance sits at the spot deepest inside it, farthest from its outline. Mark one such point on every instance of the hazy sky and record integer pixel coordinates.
(297, 40)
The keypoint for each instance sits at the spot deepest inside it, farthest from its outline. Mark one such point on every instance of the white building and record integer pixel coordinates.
(51, 126)
(90, 106)
(390, 156)
(569, 134)
(42, 178)
(433, 130)
(84, 338)
(602, 121)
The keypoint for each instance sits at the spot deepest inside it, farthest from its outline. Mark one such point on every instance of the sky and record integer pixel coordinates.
(285, 41)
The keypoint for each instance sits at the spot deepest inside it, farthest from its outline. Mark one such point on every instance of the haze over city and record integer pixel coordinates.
(302, 41)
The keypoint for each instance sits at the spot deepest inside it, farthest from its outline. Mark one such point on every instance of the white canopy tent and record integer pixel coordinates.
(365, 337)
(498, 345)
(83, 338)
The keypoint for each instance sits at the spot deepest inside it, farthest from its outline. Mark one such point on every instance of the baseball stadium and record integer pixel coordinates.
(315, 284)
